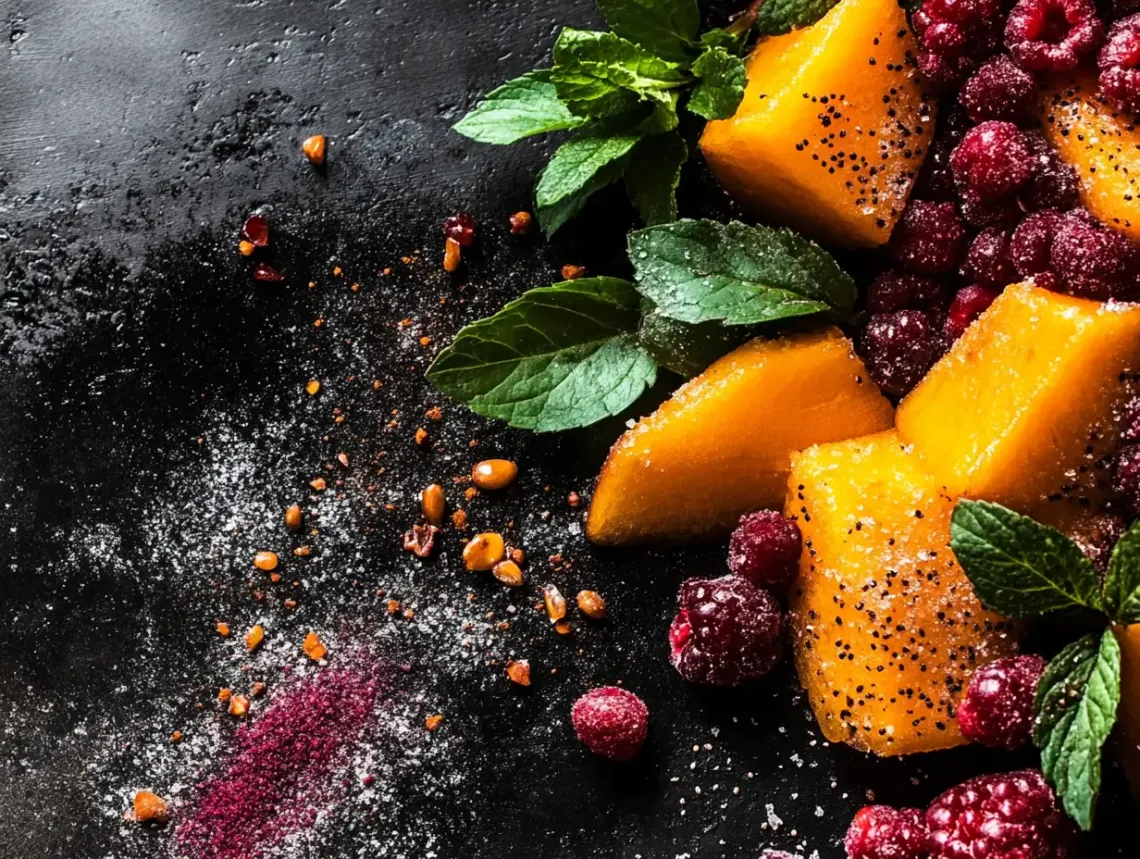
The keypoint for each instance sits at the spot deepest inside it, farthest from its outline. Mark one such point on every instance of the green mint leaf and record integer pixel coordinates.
(526, 106)
(579, 168)
(718, 38)
(1019, 567)
(1076, 706)
(559, 357)
(782, 16)
(699, 271)
(683, 348)
(1122, 584)
(652, 176)
(600, 74)
(663, 27)
(722, 79)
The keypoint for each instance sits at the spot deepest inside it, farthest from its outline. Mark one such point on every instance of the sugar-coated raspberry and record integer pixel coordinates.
(460, 227)
(1031, 247)
(882, 832)
(998, 708)
(611, 721)
(928, 238)
(1119, 64)
(1126, 476)
(1052, 35)
(988, 261)
(1053, 183)
(726, 633)
(1000, 89)
(900, 290)
(899, 348)
(1004, 213)
(1002, 816)
(992, 160)
(1097, 535)
(953, 36)
(967, 306)
(765, 549)
(1092, 260)
(1130, 420)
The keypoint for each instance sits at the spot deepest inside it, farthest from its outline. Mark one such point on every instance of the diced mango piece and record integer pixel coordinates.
(1129, 716)
(1102, 143)
(833, 126)
(721, 446)
(1023, 402)
(886, 627)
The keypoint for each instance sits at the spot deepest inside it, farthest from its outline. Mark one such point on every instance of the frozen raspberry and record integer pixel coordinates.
(1002, 816)
(1003, 214)
(1053, 184)
(1130, 420)
(611, 721)
(899, 348)
(992, 160)
(1092, 260)
(998, 708)
(460, 227)
(1052, 35)
(1126, 476)
(928, 238)
(726, 633)
(1119, 64)
(988, 261)
(1031, 247)
(953, 36)
(900, 290)
(1097, 535)
(967, 306)
(765, 549)
(882, 832)
(1000, 89)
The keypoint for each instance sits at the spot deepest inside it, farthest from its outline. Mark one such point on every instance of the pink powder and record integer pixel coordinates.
(276, 779)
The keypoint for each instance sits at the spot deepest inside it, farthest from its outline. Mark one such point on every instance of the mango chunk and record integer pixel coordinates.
(1128, 718)
(721, 446)
(1102, 143)
(833, 126)
(1023, 403)
(886, 627)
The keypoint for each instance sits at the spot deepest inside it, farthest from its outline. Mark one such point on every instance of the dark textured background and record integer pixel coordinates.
(152, 425)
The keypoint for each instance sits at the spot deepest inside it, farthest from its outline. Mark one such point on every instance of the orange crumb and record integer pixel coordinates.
(312, 387)
(435, 413)
(337, 271)
(451, 255)
(255, 636)
(573, 272)
(239, 705)
(176, 737)
(421, 435)
(433, 722)
(223, 629)
(314, 149)
(224, 695)
(519, 671)
(150, 808)
(318, 484)
(245, 248)
(314, 648)
(257, 689)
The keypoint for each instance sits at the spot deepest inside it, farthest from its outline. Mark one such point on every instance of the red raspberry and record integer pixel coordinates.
(765, 549)
(1002, 816)
(1119, 64)
(1052, 35)
(882, 832)
(988, 261)
(967, 306)
(611, 721)
(1130, 420)
(928, 238)
(1092, 260)
(953, 36)
(992, 160)
(1097, 535)
(1126, 476)
(1004, 213)
(900, 290)
(1031, 247)
(1053, 184)
(899, 348)
(998, 90)
(998, 708)
(460, 227)
(726, 633)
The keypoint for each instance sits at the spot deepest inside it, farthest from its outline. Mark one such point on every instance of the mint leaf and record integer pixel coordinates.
(718, 38)
(663, 27)
(1076, 706)
(722, 79)
(1019, 567)
(698, 271)
(559, 357)
(1122, 584)
(526, 106)
(683, 348)
(653, 174)
(782, 16)
(579, 168)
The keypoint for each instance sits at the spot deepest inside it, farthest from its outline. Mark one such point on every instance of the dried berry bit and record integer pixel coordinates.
(254, 637)
(992, 160)
(433, 503)
(1119, 64)
(451, 255)
(176, 737)
(998, 90)
(1053, 182)
(223, 629)
(266, 561)
(998, 708)
(765, 549)
(256, 230)
(433, 722)
(151, 808)
(612, 722)
(224, 695)
(555, 603)
(314, 149)
(882, 832)
(293, 517)
(483, 551)
(303, 551)
(314, 648)
(518, 670)
(899, 348)
(420, 540)
(239, 706)
(246, 248)
(562, 627)
(1094, 261)
(318, 484)
(573, 272)
(460, 228)
(313, 387)
(900, 290)
(494, 473)
(929, 238)
(988, 261)
(268, 273)
(508, 573)
(967, 306)
(257, 689)
(591, 604)
(1052, 35)
(521, 223)
(421, 436)
(1126, 476)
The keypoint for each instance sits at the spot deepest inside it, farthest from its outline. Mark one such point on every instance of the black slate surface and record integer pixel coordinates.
(153, 423)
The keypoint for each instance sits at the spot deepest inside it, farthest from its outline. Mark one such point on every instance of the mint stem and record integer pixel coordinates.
(745, 20)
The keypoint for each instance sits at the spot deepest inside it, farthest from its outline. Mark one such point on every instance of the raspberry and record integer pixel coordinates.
(1130, 420)
(992, 160)
(1119, 64)
(1052, 35)
(1031, 247)
(988, 261)
(1002, 816)
(953, 35)
(928, 238)
(998, 708)
(460, 227)
(611, 721)
(967, 306)
(882, 832)
(936, 182)
(1092, 260)
(1126, 476)
(998, 90)
(899, 290)
(726, 633)
(1097, 535)
(899, 348)
(765, 549)
(1004, 213)
(1053, 184)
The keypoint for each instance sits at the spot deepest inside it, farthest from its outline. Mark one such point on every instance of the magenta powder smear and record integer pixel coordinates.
(280, 773)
